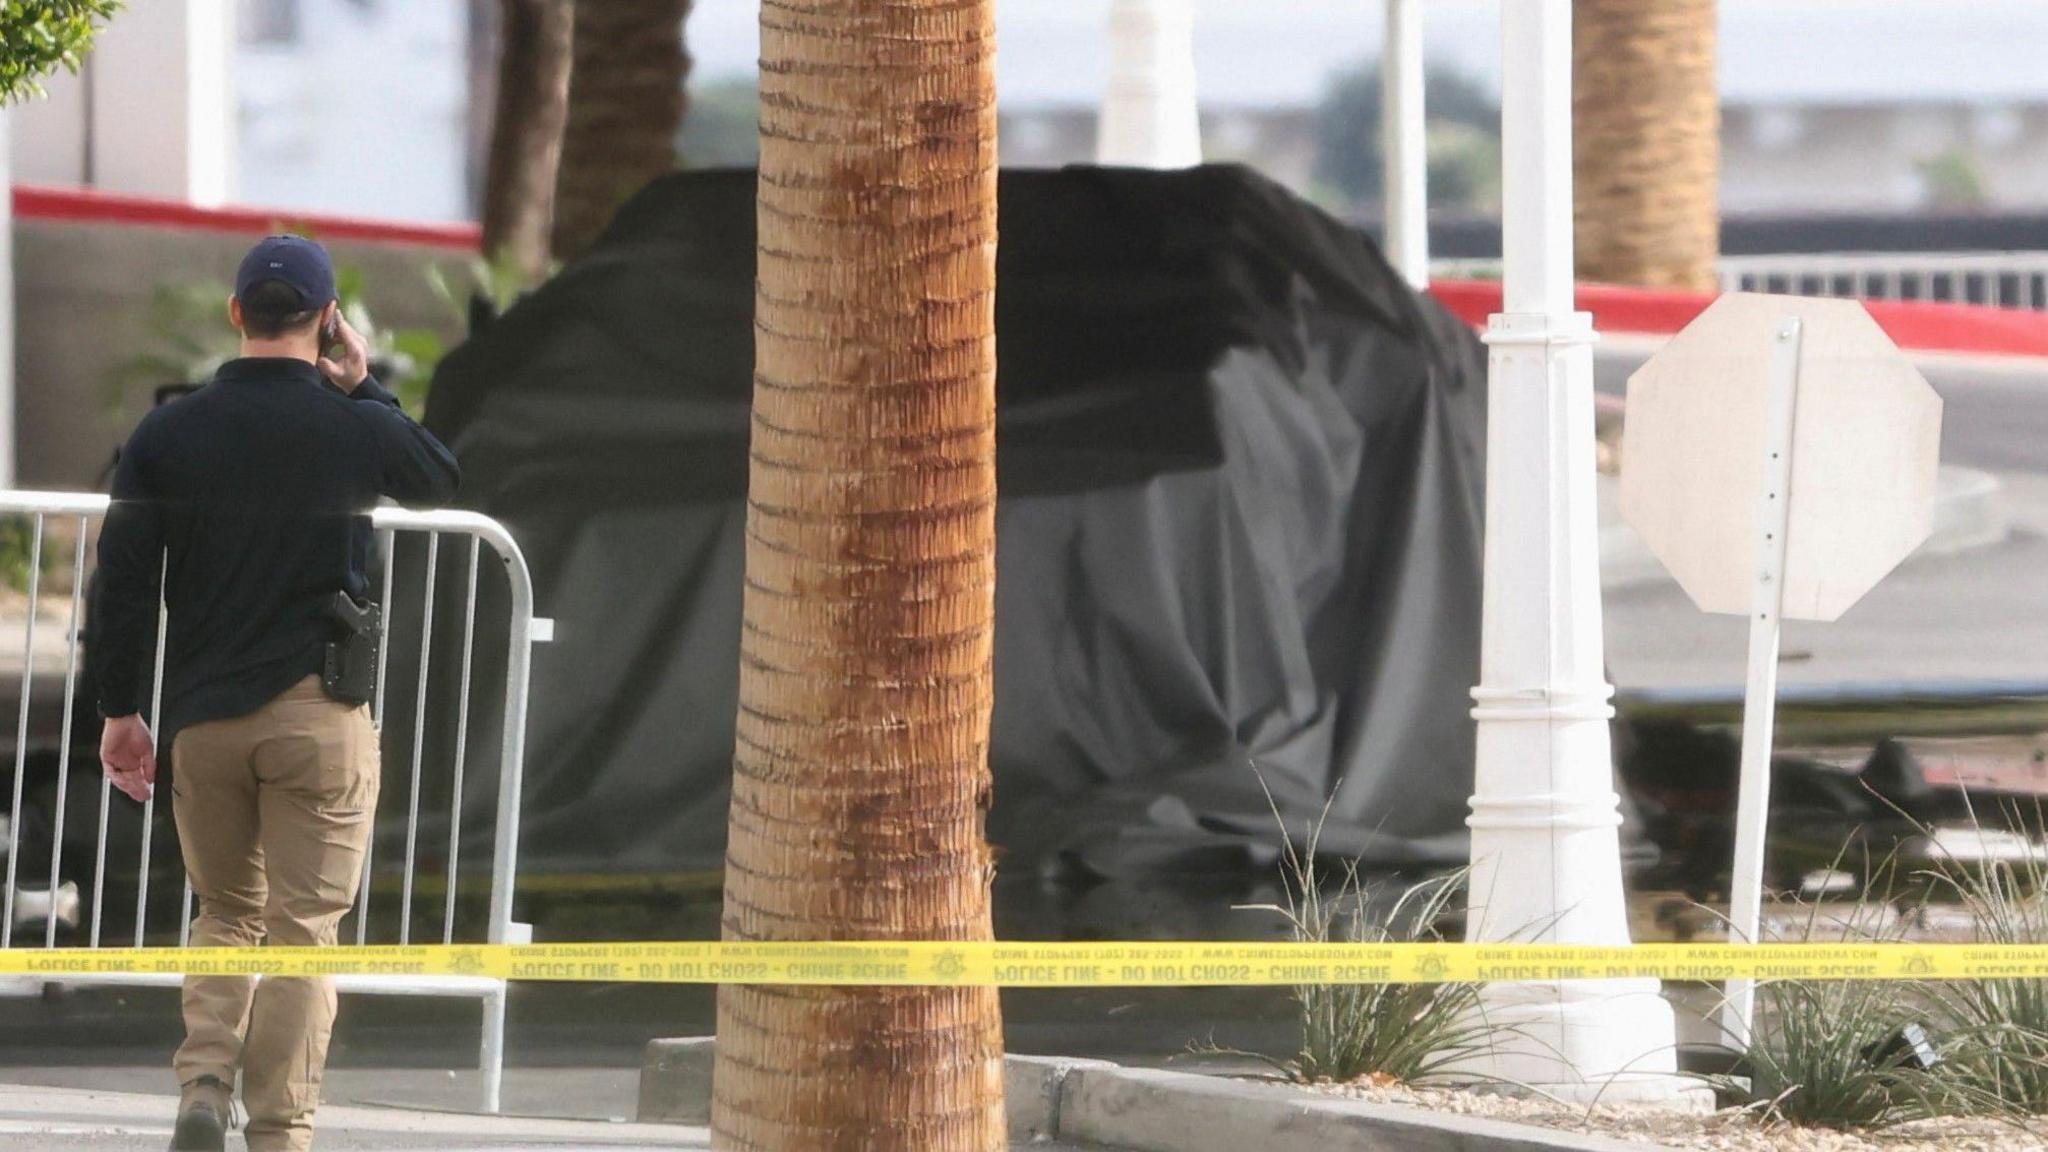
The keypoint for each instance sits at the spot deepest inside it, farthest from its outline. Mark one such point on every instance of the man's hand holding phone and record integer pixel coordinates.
(345, 359)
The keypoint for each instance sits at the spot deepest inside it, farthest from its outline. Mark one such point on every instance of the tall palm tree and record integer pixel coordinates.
(626, 103)
(526, 131)
(1648, 142)
(481, 58)
(861, 777)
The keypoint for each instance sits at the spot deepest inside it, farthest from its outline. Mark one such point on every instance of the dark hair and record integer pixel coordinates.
(271, 309)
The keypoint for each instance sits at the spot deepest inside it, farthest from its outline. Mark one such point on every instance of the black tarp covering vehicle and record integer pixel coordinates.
(1239, 527)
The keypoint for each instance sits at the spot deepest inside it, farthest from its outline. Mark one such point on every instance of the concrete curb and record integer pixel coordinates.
(675, 1082)
(1143, 1110)
(1035, 1093)
(675, 1087)
(1147, 1110)
(1969, 513)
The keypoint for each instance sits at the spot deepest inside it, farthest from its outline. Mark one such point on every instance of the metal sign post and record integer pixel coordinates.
(1760, 697)
(1780, 458)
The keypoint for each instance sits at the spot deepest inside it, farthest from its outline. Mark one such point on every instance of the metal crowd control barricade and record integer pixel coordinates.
(94, 927)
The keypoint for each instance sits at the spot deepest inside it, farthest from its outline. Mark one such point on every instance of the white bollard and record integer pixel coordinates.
(7, 406)
(1150, 111)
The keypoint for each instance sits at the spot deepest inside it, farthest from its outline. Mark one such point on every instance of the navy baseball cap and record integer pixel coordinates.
(293, 261)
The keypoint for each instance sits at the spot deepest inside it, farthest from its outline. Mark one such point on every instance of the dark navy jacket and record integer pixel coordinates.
(251, 494)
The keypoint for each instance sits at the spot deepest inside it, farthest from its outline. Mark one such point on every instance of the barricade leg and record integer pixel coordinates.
(491, 1059)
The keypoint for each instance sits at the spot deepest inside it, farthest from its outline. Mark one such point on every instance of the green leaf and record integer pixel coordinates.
(37, 37)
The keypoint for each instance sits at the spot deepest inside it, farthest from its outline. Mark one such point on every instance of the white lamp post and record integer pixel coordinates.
(1404, 143)
(1149, 110)
(7, 416)
(1546, 861)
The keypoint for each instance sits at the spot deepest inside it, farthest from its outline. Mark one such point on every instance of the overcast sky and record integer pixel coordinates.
(1282, 51)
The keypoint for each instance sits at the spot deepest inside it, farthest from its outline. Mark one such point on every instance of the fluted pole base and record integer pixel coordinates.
(1546, 853)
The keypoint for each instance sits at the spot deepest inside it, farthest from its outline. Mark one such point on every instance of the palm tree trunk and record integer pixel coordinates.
(861, 780)
(481, 61)
(1648, 143)
(526, 131)
(626, 103)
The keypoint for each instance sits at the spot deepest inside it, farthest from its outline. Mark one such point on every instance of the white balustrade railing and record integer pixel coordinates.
(2017, 280)
(2014, 280)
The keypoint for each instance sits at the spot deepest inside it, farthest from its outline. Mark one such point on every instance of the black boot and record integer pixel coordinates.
(203, 1111)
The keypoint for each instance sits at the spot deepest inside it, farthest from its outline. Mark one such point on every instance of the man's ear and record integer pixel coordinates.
(235, 312)
(330, 320)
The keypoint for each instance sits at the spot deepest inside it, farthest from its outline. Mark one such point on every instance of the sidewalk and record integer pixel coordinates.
(82, 1120)
(89, 1121)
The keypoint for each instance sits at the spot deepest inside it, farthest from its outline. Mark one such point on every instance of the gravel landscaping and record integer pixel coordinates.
(1728, 1131)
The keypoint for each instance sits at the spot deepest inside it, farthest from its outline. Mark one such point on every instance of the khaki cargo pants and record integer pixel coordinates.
(274, 810)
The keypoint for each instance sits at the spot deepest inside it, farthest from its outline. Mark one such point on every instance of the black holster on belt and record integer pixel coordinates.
(351, 672)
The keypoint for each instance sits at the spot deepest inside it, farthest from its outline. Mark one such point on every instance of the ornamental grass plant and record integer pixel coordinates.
(1382, 1033)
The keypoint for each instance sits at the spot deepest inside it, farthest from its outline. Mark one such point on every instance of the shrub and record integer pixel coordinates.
(17, 546)
(1816, 1056)
(38, 38)
(1997, 1045)
(1403, 1033)
(1812, 1059)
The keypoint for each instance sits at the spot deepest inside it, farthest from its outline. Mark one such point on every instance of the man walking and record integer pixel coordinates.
(248, 500)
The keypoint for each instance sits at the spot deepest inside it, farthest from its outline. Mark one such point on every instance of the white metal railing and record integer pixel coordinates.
(57, 904)
(2015, 280)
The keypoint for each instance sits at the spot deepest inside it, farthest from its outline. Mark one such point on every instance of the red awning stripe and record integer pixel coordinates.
(88, 206)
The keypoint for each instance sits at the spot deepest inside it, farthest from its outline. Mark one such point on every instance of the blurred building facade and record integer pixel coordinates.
(1786, 152)
(1837, 107)
(355, 107)
(358, 107)
(151, 112)
(368, 107)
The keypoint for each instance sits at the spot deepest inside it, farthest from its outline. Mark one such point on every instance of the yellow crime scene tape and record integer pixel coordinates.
(1053, 965)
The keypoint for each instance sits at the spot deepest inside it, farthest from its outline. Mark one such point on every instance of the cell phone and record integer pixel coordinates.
(332, 332)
